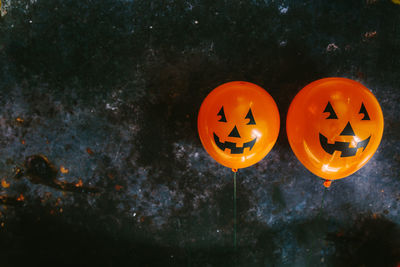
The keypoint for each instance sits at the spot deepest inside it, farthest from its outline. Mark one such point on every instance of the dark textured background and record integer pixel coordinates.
(110, 90)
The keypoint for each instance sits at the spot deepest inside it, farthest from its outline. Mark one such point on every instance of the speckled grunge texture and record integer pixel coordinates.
(100, 161)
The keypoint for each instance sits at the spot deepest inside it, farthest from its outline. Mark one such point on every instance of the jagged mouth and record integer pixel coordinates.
(232, 146)
(342, 146)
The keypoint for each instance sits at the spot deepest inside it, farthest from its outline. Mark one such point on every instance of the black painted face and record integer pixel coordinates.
(234, 133)
(344, 147)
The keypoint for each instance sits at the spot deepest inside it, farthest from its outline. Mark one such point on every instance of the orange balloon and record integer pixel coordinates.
(238, 124)
(334, 126)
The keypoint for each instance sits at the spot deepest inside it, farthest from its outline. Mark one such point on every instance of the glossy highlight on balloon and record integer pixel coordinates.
(238, 124)
(334, 126)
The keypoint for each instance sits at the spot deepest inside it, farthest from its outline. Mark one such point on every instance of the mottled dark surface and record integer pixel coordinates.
(108, 91)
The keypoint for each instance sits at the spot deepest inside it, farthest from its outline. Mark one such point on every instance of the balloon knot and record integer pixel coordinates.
(234, 170)
(327, 183)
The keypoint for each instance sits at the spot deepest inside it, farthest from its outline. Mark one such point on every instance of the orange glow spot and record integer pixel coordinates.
(2, 224)
(58, 201)
(89, 151)
(61, 210)
(4, 183)
(371, 34)
(327, 183)
(79, 183)
(20, 120)
(23, 142)
(63, 170)
(17, 171)
(118, 187)
(21, 198)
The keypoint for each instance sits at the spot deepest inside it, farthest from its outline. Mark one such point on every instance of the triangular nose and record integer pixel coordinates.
(348, 130)
(234, 133)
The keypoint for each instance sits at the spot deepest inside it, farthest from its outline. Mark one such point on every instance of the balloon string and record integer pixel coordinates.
(309, 256)
(234, 211)
(322, 204)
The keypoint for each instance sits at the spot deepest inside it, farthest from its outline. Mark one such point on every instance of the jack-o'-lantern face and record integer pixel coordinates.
(235, 136)
(334, 126)
(350, 148)
(238, 124)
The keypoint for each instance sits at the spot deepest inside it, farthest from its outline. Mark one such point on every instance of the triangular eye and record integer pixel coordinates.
(363, 110)
(329, 108)
(222, 114)
(251, 118)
